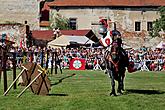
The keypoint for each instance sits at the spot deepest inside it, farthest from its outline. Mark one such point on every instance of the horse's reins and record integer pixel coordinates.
(115, 64)
(110, 58)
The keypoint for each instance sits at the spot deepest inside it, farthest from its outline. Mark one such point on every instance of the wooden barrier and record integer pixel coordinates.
(35, 78)
(24, 55)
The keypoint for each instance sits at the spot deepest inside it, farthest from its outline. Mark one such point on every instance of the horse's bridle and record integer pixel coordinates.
(109, 57)
(114, 63)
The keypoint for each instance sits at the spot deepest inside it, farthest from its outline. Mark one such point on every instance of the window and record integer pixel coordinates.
(73, 23)
(149, 26)
(137, 26)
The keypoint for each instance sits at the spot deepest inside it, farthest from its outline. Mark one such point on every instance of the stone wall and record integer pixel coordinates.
(14, 32)
(19, 11)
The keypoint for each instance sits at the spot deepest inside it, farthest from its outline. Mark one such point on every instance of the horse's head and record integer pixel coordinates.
(115, 52)
(113, 57)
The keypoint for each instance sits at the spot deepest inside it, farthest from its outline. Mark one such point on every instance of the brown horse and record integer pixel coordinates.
(115, 64)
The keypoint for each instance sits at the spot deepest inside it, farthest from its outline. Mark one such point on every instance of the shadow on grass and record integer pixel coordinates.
(57, 94)
(60, 80)
(147, 92)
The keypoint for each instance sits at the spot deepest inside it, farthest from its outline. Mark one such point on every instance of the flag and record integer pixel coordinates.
(77, 64)
(107, 40)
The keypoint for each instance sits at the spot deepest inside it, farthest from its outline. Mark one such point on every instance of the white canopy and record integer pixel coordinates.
(161, 45)
(65, 40)
(126, 47)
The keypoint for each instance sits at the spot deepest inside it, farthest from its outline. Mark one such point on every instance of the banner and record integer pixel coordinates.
(77, 64)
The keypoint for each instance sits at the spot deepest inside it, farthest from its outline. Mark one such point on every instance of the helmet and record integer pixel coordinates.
(102, 29)
(115, 33)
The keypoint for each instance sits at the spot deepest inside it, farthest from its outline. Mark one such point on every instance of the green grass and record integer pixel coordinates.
(89, 90)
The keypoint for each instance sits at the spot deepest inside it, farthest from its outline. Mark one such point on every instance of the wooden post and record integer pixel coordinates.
(52, 62)
(4, 71)
(47, 59)
(42, 57)
(14, 81)
(31, 56)
(55, 62)
(14, 69)
(59, 64)
(24, 56)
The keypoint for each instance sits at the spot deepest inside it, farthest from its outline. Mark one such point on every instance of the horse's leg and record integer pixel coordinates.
(122, 79)
(106, 67)
(106, 62)
(110, 73)
(119, 84)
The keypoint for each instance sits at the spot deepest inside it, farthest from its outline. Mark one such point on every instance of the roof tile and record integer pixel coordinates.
(48, 34)
(107, 3)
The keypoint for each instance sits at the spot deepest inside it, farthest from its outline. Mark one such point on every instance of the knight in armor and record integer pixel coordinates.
(110, 37)
(116, 38)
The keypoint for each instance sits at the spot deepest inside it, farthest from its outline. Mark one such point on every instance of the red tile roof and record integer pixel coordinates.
(107, 3)
(48, 34)
(43, 34)
(74, 32)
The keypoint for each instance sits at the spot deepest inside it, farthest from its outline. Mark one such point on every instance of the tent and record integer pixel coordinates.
(161, 45)
(66, 40)
(126, 47)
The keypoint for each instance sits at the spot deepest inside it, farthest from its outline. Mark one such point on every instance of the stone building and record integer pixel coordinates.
(19, 11)
(134, 16)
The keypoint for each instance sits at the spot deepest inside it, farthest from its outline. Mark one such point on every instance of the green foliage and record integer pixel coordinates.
(159, 24)
(89, 90)
(59, 21)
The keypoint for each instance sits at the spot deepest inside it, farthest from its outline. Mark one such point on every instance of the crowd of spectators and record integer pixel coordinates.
(143, 58)
(148, 59)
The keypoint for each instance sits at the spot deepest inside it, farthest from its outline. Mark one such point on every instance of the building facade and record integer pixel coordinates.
(130, 16)
(19, 11)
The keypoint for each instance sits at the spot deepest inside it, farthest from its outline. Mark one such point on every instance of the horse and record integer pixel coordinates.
(115, 64)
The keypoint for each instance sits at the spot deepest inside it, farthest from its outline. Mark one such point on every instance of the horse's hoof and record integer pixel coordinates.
(113, 94)
(120, 93)
(123, 89)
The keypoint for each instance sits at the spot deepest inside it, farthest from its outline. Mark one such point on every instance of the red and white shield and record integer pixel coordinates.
(107, 40)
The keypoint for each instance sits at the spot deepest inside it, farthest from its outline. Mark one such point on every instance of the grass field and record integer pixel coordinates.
(89, 90)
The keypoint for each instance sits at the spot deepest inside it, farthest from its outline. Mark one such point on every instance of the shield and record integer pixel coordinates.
(131, 68)
(42, 85)
(107, 40)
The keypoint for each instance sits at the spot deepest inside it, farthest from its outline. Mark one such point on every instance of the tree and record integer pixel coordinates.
(159, 24)
(59, 21)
